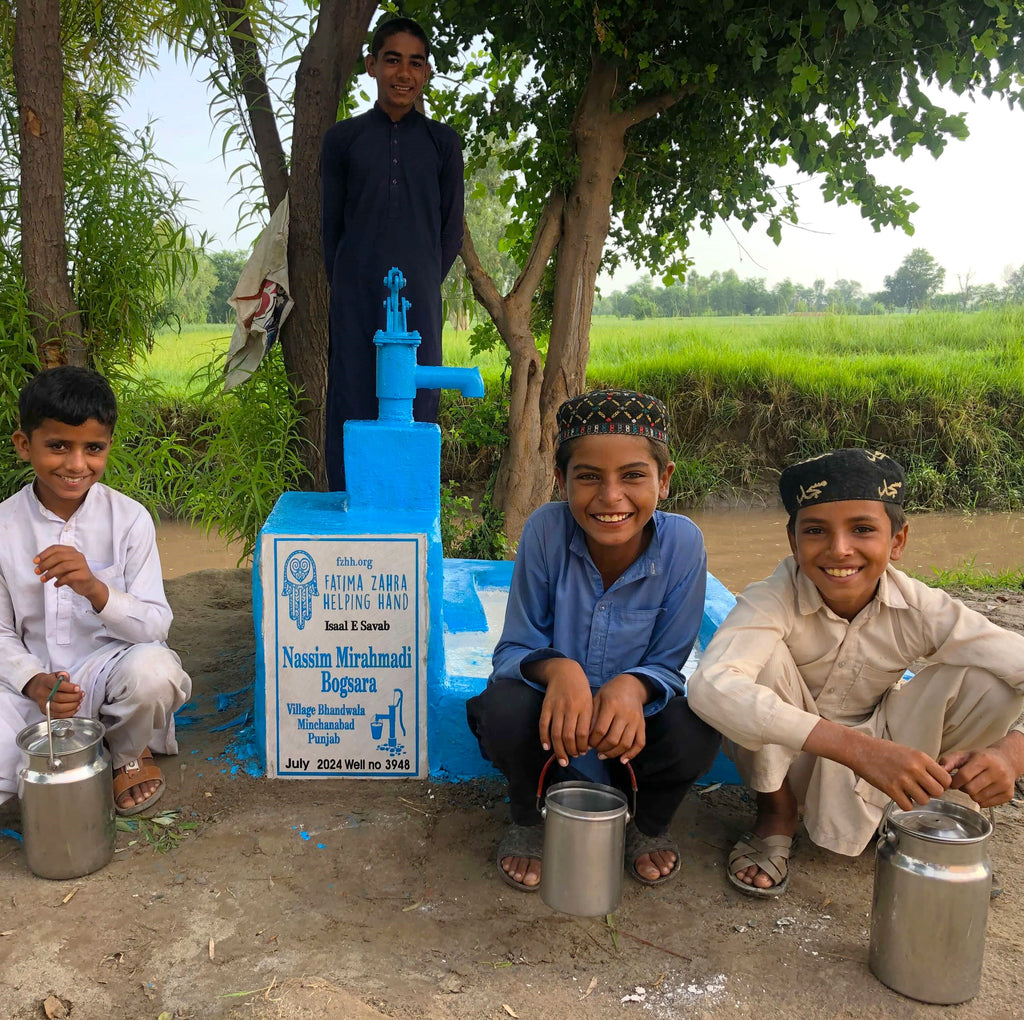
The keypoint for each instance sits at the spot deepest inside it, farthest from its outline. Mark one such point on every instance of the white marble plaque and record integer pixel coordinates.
(346, 649)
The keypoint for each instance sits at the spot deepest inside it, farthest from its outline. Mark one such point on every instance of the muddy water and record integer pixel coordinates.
(746, 545)
(743, 545)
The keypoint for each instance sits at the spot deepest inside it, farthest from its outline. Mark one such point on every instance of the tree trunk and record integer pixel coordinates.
(519, 487)
(39, 84)
(251, 78)
(326, 63)
(526, 473)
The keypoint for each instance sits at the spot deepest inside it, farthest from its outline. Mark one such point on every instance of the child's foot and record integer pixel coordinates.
(519, 856)
(651, 859)
(138, 784)
(760, 860)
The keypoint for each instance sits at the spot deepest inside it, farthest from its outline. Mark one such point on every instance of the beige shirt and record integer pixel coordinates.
(847, 665)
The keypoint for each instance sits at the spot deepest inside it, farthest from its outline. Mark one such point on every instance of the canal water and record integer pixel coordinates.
(743, 545)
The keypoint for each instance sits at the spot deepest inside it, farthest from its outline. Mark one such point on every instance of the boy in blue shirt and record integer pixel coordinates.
(605, 603)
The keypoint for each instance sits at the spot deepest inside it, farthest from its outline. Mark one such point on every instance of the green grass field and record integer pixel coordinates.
(944, 393)
(178, 359)
(948, 352)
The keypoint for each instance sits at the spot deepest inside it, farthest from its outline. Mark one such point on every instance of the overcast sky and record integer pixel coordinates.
(971, 217)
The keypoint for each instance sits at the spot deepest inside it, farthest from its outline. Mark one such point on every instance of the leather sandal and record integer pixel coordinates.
(139, 770)
(770, 854)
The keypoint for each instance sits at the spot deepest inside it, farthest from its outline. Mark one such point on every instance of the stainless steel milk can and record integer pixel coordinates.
(930, 902)
(67, 800)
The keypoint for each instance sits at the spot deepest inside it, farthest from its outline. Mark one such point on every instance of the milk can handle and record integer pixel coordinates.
(883, 830)
(547, 765)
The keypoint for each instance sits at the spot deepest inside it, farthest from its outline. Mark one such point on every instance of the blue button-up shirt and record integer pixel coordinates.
(644, 624)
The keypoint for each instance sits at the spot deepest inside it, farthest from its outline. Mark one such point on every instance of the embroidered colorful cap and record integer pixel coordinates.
(612, 413)
(842, 474)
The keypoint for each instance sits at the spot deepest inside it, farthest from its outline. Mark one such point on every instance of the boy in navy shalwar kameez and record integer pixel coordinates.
(391, 195)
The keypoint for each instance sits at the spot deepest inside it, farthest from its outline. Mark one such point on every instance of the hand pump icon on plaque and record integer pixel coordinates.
(394, 720)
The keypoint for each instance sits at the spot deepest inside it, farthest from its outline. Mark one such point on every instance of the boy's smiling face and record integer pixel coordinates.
(67, 459)
(844, 548)
(612, 485)
(401, 70)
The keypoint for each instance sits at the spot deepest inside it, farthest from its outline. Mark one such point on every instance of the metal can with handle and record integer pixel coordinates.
(584, 843)
(929, 906)
(66, 795)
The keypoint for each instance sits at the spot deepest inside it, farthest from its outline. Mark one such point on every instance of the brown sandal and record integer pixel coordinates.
(131, 774)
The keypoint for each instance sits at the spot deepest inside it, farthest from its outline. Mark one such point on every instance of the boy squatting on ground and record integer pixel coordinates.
(605, 602)
(102, 622)
(804, 677)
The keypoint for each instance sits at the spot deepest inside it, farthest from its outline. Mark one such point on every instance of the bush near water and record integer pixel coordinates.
(942, 392)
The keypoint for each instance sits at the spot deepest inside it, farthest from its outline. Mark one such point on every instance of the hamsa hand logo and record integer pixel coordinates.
(300, 586)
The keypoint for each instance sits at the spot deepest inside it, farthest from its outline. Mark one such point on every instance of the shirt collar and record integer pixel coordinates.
(809, 600)
(49, 515)
(377, 112)
(646, 564)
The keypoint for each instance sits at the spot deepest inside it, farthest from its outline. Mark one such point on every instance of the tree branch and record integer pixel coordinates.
(483, 286)
(252, 80)
(651, 107)
(545, 241)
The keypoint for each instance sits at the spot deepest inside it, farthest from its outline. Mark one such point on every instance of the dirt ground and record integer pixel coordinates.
(365, 899)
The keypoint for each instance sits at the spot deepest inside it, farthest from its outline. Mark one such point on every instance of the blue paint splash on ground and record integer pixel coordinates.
(243, 751)
(226, 701)
(239, 720)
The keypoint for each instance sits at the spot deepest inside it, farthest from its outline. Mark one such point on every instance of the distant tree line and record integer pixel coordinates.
(915, 285)
(204, 297)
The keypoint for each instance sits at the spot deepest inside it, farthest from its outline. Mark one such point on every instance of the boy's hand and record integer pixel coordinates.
(64, 564)
(618, 729)
(567, 709)
(906, 775)
(65, 702)
(987, 775)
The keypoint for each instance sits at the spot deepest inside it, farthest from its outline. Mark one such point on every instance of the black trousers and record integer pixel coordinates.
(680, 748)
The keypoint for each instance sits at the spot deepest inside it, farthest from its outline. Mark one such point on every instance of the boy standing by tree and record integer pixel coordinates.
(804, 677)
(97, 632)
(606, 601)
(391, 195)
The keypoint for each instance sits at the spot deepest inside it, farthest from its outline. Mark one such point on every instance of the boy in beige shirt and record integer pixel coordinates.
(804, 677)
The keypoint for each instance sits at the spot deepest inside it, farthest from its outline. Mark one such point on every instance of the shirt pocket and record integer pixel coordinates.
(865, 691)
(629, 640)
(112, 577)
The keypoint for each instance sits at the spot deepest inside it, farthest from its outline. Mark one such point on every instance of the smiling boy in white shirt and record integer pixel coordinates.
(81, 593)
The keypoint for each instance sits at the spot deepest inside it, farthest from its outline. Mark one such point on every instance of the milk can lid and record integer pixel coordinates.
(69, 735)
(942, 820)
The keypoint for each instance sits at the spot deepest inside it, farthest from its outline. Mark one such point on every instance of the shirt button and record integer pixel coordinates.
(395, 161)
(602, 607)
